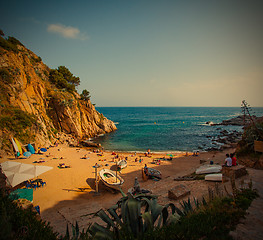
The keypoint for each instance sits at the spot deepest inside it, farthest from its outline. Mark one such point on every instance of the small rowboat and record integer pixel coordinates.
(208, 169)
(122, 164)
(216, 177)
(110, 179)
(154, 173)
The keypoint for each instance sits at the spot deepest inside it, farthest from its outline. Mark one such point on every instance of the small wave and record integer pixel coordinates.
(116, 123)
(205, 123)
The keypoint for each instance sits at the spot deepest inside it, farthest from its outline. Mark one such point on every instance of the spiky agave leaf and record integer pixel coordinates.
(174, 218)
(113, 213)
(148, 223)
(147, 203)
(102, 236)
(102, 214)
(165, 215)
(77, 230)
(204, 202)
(134, 215)
(98, 229)
(122, 193)
(197, 204)
(179, 212)
(67, 233)
(156, 210)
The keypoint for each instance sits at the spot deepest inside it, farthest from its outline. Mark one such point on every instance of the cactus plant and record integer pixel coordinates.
(134, 215)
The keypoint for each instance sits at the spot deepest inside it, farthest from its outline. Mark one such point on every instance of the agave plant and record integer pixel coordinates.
(187, 207)
(134, 215)
(76, 234)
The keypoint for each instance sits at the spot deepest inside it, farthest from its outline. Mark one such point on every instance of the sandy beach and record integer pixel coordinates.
(69, 194)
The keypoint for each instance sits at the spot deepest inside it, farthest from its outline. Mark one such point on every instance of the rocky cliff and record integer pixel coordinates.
(33, 110)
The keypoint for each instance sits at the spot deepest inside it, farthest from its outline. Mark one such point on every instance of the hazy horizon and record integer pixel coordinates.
(149, 53)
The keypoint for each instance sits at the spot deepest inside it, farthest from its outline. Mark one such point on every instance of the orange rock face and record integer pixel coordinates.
(30, 90)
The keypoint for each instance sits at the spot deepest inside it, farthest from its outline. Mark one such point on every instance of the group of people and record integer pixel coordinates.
(230, 160)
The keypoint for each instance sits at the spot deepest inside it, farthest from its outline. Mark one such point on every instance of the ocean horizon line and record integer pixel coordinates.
(173, 107)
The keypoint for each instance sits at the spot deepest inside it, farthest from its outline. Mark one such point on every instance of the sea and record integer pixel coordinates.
(166, 129)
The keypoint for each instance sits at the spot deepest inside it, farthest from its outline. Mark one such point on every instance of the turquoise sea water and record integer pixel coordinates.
(166, 128)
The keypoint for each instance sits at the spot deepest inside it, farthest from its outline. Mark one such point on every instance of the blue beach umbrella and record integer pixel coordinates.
(27, 154)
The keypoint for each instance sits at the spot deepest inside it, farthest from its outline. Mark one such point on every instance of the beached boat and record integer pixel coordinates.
(208, 169)
(110, 179)
(154, 173)
(122, 164)
(217, 177)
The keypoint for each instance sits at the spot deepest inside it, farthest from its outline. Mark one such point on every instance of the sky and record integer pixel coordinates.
(148, 52)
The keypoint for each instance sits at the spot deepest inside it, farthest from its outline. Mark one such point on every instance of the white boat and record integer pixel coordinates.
(217, 177)
(122, 164)
(208, 169)
(110, 179)
(154, 173)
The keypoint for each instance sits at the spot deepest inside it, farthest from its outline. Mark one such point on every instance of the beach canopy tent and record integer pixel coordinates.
(23, 193)
(17, 172)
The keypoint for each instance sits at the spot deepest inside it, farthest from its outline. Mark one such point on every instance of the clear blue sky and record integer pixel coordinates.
(147, 52)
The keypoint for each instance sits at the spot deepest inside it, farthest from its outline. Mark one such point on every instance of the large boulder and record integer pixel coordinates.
(178, 192)
(234, 171)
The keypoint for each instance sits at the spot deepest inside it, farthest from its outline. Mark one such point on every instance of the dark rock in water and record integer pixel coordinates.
(90, 144)
(213, 149)
(224, 132)
(236, 121)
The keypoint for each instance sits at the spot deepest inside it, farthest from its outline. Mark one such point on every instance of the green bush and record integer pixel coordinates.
(5, 76)
(85, 95)
(209, 220)
(58, 79)
(19, 223)
(14, 41)
(251, 133)
(19, 123)
(10, 44)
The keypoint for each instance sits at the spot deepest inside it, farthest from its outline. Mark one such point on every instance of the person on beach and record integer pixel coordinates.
(148, 152)
(234, 160)
(228, 161)
(136, 186)
(145, 169)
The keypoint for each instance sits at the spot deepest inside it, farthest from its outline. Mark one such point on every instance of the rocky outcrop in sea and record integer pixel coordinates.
(236, 121)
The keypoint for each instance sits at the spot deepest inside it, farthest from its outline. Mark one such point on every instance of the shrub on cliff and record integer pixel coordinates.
(64, 79)
(85, 95)
(18, 123)
(10, 44)
(5, 76)
(251, 133)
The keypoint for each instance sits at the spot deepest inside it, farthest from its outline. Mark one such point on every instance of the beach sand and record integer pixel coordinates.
(69, 194)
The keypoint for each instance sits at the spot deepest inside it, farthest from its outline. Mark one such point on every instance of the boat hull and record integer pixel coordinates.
(122, 164)
(208, 169)
(154, 173)
(109, 179)
(217, 177)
